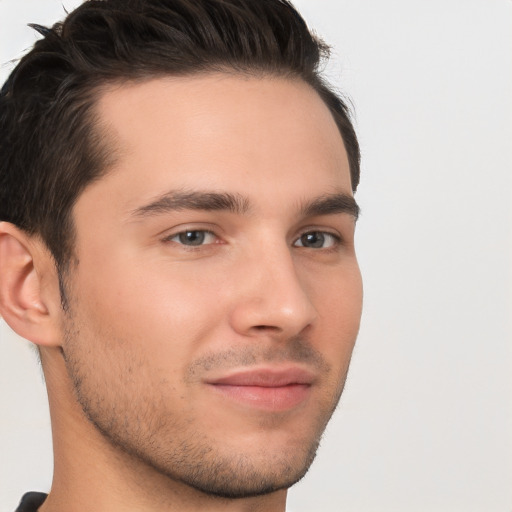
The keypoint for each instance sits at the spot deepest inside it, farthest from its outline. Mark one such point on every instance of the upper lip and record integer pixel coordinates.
(265, 377)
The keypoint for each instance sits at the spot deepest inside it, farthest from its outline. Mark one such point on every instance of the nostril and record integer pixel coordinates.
(266, 327)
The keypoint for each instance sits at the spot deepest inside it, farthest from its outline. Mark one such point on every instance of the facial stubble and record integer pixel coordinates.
(141, 426)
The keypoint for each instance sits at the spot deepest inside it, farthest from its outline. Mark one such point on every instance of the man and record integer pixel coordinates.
(177, 238)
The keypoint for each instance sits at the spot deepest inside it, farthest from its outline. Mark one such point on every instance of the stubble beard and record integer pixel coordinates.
(178, 449)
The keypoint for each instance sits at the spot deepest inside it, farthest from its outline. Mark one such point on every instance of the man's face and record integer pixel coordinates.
(217, 297)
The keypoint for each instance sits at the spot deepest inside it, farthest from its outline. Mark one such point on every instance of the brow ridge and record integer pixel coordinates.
(331, 204)
(178, 200)
(194, 200)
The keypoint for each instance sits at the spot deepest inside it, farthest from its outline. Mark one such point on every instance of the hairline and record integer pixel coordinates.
(98, 129)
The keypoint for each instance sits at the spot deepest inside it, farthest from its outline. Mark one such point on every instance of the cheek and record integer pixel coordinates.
(338, 301)
(163, 308)
(345, 306)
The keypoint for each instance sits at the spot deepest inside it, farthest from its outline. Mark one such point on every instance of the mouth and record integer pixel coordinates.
(267, 389)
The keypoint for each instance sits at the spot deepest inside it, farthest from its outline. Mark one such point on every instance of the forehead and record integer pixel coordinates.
(220, 131)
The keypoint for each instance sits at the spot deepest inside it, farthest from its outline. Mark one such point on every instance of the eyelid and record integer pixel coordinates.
(185, 229)
(332, 231)
(337, 238)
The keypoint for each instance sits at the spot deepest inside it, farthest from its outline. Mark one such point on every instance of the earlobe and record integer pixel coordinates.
(22, 304)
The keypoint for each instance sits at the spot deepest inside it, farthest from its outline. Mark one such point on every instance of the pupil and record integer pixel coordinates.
(192, 237)
(313, 240)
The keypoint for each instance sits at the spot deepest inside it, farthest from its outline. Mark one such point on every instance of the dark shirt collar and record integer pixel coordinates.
(31, 501)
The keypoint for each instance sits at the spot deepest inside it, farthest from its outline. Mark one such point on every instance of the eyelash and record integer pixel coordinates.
(336, 239)
(205, 232)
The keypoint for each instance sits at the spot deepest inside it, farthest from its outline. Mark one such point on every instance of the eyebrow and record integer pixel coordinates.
(194, 200)
(330, 204)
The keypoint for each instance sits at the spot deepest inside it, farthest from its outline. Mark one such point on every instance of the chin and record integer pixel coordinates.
(226, 471)
(243, 478)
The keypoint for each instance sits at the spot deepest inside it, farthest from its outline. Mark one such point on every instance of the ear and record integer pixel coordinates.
(29, 290)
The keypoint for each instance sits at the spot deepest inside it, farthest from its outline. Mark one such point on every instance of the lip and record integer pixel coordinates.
(268, 389)
(266, 377)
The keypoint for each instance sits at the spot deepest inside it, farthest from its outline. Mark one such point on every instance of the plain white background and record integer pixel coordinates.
(425, 423)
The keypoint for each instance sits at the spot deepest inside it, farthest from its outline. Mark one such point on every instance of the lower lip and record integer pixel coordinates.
(280, 398)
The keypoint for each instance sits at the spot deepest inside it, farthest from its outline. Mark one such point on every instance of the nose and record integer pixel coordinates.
(271, 300)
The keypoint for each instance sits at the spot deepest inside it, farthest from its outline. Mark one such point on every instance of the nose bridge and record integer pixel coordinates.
(274, 297)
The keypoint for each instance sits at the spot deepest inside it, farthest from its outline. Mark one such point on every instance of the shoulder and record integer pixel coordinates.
(31, 501)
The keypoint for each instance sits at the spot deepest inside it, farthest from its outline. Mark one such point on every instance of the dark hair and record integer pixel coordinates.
(50, 146)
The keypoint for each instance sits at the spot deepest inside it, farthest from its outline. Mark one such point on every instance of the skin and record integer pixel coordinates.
(152, 321)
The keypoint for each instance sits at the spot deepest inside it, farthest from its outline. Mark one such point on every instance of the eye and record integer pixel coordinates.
(317, 240)
(192, 237)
